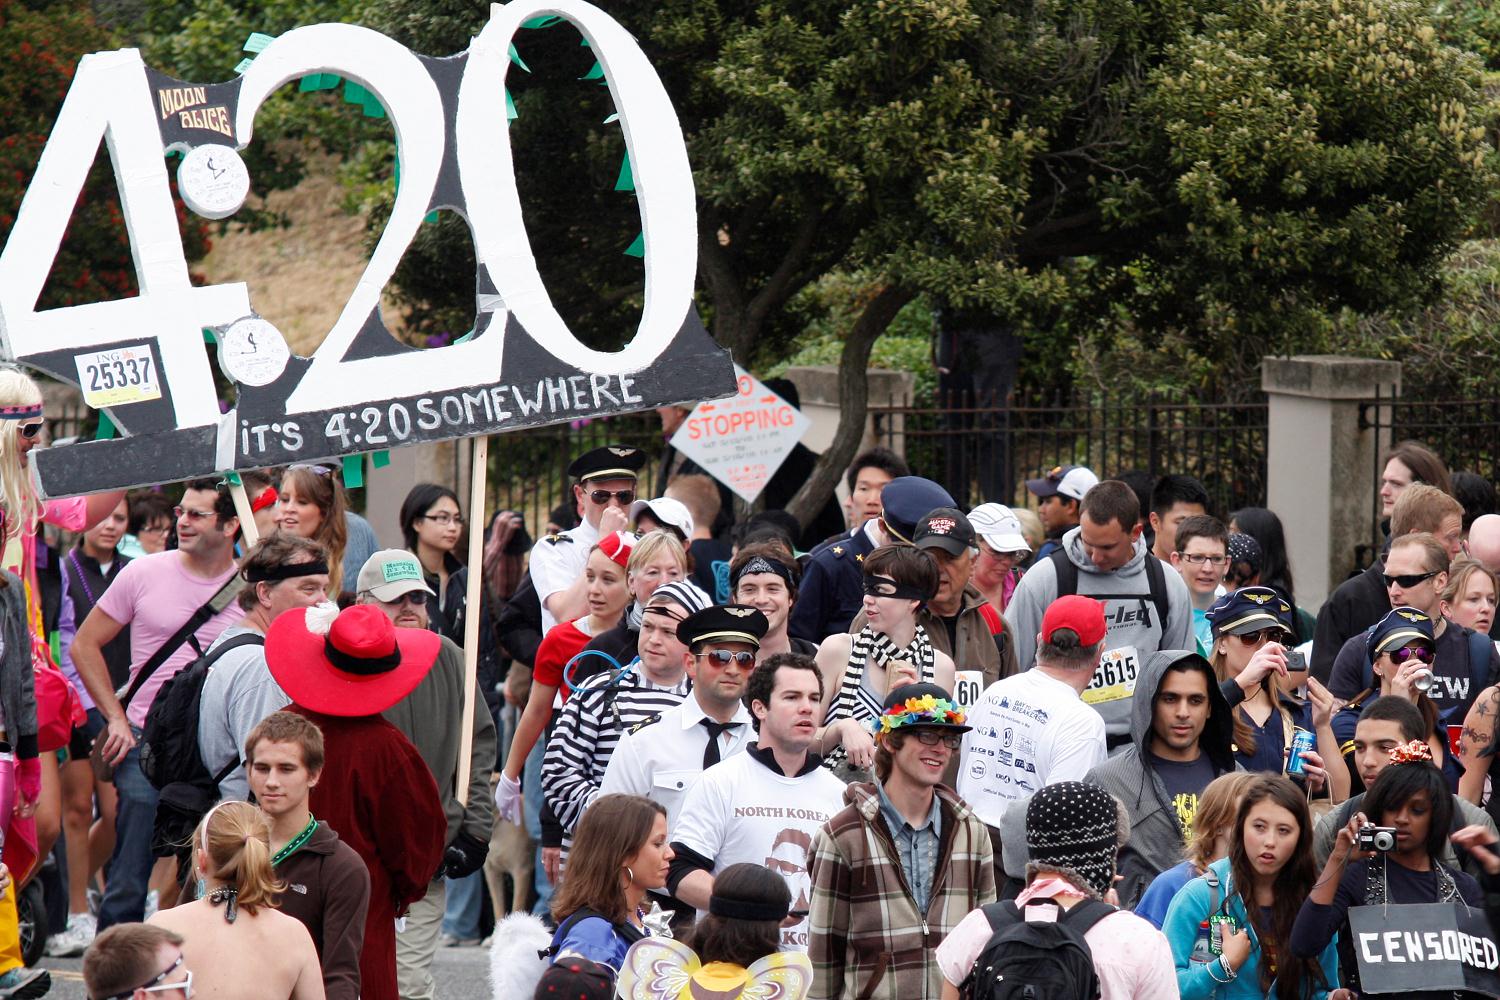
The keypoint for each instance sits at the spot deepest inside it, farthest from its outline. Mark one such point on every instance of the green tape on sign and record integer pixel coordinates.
(597, 73)
(430, 217)
(626, 180)
(233, 478)
(242, 65)
(638, 248)
(510, 107)
(515, 57)
(106, 428)
(612, 118)
(380, 459)
(209, 337)
(354, 93)
(354, 471)
(319, 81)
(545, 21)
(258, 41)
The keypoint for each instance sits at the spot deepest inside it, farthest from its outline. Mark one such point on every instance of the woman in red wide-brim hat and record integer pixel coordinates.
(341, 670)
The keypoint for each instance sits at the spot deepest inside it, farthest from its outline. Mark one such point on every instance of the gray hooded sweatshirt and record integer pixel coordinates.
(1129, 613)
(1157, 838)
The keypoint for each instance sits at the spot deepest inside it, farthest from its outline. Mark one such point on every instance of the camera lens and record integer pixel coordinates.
(1384, 840)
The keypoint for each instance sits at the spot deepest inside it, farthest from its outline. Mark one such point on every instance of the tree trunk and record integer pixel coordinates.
(854, 394)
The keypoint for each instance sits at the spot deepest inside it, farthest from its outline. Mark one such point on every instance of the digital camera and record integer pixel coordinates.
(1376, 838)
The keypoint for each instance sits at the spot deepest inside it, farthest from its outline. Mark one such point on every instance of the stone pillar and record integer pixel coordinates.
(443, 462)
(1320, 463)
(818, 385)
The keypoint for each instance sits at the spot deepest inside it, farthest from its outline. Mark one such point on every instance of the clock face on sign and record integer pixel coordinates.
(253, 352)
(213, 181)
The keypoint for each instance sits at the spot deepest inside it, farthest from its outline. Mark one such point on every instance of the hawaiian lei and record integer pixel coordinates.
(926, 710)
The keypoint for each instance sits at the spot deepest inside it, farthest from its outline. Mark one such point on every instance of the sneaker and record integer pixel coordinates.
(25, 984)
(95, 898)
(453, 941)
(76, 939)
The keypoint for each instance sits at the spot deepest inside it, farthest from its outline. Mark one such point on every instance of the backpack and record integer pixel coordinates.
(169, 751)
(1156, 583)
(1036, 961)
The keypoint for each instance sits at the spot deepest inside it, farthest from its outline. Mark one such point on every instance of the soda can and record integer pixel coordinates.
(1302, 741)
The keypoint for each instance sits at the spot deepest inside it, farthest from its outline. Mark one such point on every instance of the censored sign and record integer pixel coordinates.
(143, 358)
(1425, 947)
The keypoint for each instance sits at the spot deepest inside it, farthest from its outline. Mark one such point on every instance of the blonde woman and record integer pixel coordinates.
(1470, 597)
(656, 558)
(1213, 829)
(233, 934)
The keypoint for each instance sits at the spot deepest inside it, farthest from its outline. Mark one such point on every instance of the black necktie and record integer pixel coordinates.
(715, 730)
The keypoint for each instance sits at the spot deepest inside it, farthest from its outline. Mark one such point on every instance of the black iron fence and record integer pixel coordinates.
(980, 451)
(1464, 433)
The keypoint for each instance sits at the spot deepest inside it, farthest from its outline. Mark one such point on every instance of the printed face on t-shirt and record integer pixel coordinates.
(1180, 714)
(789, 856)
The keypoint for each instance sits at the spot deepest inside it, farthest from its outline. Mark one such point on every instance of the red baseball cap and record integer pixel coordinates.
(1083, 615)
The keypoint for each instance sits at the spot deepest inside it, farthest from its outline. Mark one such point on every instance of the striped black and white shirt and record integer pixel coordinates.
(588, 731)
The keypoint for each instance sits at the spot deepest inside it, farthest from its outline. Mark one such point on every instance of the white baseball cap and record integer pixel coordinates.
(667, 511)
(1071, 481)
(999, 527)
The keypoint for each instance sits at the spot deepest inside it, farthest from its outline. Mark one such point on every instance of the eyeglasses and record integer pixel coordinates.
(724, 657)
(155, 529)
(158, 986)
(1261, 635)
(317, 470)
(444, 518)
(930, 738)
(1419, 653)
(1407, 580)
(180, 512)
(1199, 558)
(31, 430)
(602, 496)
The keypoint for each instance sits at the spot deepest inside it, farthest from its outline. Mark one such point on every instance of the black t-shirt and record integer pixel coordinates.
(711, 567)
(951, 624)
(1453, 689)
(1185, 781)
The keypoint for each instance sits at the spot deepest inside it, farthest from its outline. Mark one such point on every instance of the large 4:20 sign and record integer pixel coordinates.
(143, 357)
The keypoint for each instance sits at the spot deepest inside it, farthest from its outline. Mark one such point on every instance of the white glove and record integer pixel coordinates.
(508, 799)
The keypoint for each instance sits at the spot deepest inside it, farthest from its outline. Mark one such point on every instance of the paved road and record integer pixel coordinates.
(460, 974)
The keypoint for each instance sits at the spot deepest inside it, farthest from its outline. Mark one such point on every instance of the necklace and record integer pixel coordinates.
(296, 842)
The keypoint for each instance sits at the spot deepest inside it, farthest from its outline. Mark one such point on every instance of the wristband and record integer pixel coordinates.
(1231, 974)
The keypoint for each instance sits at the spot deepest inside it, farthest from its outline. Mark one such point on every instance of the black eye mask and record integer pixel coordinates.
(884, 586)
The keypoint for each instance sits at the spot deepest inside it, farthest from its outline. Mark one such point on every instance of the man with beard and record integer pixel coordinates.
(748, 806)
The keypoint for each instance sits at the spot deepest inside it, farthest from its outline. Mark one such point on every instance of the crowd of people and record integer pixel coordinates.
(1094, 748)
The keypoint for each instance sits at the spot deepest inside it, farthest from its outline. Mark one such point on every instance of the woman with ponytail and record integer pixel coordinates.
(233, 934)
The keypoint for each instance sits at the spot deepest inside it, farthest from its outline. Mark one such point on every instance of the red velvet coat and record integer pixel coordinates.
(378, 795)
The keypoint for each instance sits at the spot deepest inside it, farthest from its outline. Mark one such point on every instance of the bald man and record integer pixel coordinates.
(1484, 541)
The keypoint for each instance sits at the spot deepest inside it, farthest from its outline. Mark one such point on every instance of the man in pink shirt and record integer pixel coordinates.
(155, 595)
(1073, 837)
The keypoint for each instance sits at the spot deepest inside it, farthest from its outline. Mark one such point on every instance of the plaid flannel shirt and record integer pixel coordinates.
(868, 940)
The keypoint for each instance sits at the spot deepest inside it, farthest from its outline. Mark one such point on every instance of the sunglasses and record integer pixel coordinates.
(416, 598)
(31, 431)
(928, 738)
(724, 657)
(158, 986)
(1419, 653)
(602, 496)
(1407, 580)
(180, 512)
(1261, 635)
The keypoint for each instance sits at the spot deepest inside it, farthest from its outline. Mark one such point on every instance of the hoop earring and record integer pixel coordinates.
(629, 876)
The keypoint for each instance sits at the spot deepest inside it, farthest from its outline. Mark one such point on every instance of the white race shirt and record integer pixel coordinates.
(743, 811)
(1029, 730)
(557, 562)
(662, 760)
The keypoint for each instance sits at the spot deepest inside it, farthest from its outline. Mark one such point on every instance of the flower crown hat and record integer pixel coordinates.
(913, 705)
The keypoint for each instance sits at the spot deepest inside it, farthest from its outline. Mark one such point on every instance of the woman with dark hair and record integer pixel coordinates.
(1275, 563)
(733, 952)
(1249, 902)
(310, 502)
(892, 649)
(620, 851)
(1412, 796)
(432, 524)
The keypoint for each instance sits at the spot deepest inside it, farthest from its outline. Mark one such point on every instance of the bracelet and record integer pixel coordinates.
(1210, 968)
(1228, 972)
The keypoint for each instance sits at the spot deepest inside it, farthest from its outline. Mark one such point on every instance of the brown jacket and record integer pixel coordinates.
(328, 889)
(976, 647)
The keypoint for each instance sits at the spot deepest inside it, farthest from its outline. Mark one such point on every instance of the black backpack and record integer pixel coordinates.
(1156, 585)
(1026, 960)
(169, 751)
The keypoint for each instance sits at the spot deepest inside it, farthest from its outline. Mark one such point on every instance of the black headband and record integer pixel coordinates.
(760, 564)
(903, 590)
(286, 571)
(365, 665)
(745, 909)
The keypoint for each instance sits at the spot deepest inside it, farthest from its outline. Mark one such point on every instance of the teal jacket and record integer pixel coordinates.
(1189, 909)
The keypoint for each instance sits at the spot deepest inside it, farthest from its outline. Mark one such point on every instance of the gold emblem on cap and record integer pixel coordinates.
(741, 612)
(1258, 598)
(622, 452)
(1413, 616)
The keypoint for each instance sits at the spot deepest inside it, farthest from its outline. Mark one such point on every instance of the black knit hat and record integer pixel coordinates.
(572, 977)
(1074, 828)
